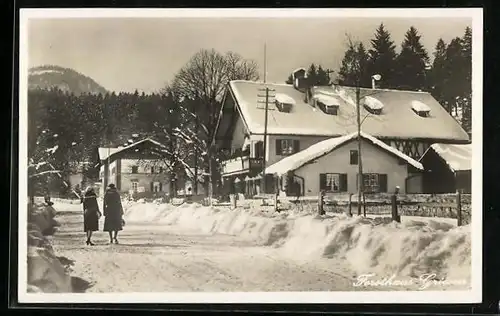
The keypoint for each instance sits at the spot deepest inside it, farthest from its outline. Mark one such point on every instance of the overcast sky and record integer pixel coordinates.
(126, 54)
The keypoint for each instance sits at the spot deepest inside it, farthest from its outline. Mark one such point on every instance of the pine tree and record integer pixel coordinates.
(438, 77)
(383, 57)
(353, 70)
(453, 88)
(467, 80)
(322, 77)
(412, 62)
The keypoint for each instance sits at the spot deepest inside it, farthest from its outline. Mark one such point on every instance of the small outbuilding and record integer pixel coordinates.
(447, 168)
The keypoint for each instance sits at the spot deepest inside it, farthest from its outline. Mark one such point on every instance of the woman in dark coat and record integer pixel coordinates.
(113, 212)
(91, 213)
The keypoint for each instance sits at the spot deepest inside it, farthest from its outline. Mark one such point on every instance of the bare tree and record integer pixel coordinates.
(203, 81)
(354, 70)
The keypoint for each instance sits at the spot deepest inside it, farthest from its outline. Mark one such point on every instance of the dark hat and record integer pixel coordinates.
(111, 186)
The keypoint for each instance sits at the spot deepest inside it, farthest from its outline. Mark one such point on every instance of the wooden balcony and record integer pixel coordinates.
(241, 165)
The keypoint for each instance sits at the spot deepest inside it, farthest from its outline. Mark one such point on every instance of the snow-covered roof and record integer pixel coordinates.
(398, 121)
(373, 103)
(299, 159)
(299, 69)
(419, 106)
(457, 157)
(104, 153)
(284, 98)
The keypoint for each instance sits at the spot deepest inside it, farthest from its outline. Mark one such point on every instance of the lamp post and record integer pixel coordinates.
(360, 164)
(376, 77)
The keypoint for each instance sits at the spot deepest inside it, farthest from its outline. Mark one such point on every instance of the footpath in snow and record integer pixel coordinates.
(417, 246)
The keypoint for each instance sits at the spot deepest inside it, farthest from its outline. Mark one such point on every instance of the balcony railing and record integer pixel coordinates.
(241, 165)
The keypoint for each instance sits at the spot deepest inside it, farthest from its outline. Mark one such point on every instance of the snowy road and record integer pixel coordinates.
(154, 258)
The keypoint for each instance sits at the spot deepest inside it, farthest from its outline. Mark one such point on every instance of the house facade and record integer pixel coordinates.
(332, 166)
(300, 115)
(136, 168)
(447, 168)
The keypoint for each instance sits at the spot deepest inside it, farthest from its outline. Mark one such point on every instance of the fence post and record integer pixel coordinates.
(394, 203)
(364, 205)
(321, 200)
(232, 199)
(459, 207)
(350, 204)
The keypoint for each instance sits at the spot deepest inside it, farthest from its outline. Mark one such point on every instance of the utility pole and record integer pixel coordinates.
(360, 165)
(266, 110)
(267, 96)
(195, 181)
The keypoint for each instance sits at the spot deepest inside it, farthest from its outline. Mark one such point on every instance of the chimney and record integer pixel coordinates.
(300, 81)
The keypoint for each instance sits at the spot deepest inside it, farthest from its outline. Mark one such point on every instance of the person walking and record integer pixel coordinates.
(113, 213)
(91, 213)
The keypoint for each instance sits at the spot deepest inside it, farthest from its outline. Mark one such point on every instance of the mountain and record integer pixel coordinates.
(66, 79)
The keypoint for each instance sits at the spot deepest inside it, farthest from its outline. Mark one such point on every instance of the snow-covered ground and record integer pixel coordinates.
(45, 271)
(195, 248)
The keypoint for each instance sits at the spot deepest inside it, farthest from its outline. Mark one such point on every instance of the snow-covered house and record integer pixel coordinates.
(332, 165)
(135, 168)
(301, 115)
(447, 168)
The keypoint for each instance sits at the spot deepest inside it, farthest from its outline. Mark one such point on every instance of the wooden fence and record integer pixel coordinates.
(453, 205)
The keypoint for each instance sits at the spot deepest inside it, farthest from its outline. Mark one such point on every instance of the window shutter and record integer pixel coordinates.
(382, 183)
(322, 181)
(279, 150)
(151, 186)
(296, 146)
(343, 182)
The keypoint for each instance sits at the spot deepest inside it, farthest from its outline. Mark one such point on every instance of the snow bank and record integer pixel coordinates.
(45, 271)
(370, 245)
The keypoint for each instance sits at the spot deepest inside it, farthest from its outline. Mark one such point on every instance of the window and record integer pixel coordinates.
(284, 102)
(372, 110)
(152, 169)
(135, 169)
(331, 109)
(285, 147)
(374, 183)
(422, 113)
(333, 182)
(420, 108)
(134, 184)
(259, 150)
(353, 157)
(160, 169)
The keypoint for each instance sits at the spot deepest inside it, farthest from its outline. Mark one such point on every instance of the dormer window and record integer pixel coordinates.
(284, 103)
(328, 104)
(420, 108)
(373, 105)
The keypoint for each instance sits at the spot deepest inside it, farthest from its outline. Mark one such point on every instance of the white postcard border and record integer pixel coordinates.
(472, 296)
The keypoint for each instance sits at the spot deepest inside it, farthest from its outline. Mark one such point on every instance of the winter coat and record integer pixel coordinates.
(91, 212)
(113, 210)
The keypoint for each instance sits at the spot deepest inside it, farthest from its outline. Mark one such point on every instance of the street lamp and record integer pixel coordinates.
(375, 77)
